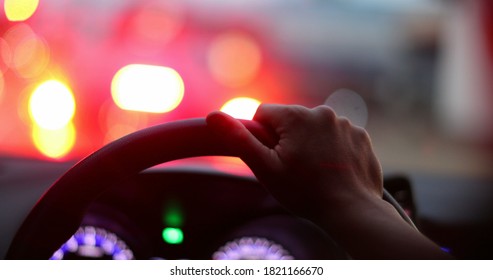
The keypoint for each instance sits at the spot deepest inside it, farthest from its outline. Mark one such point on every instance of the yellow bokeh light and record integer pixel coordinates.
(20, 10)
(147, 88)
(241, 107)
(52, 105)
(234, 59)
(54, 143)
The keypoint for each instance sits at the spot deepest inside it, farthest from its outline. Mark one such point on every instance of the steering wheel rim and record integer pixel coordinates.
(59, 212)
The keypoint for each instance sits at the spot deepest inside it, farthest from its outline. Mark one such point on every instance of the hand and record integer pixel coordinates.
(321, 160)
(324, 169)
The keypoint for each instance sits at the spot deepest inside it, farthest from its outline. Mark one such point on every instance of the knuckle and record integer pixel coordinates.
(362, 134)
(325, 111)
(295, 112)
(263, 107)
(345, 122)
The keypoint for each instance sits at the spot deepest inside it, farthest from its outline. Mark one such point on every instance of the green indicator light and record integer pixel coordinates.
(172, 215)
(172, 235)
(173, 218)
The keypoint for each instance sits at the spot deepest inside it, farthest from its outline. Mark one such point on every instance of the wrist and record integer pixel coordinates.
(369, 227)
(348, 208)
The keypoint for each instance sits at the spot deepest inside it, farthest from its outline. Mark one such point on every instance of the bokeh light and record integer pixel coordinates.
(234, 59)
(20, 10)
(147, 88)
(115, 123)
(13, 37)
(117, 131)
(5, 55)
(241, 107)
(2, 84)
(54, 143)
(349, 104)
(26, 52)
(172, 235)
(31, 57)
(52, 105)
(158, 23)
(173, 215)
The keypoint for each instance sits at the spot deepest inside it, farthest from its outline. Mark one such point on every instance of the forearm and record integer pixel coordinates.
(373, 229)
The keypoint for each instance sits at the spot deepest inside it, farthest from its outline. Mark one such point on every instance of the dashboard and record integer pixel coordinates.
(185, 215)
(192, 212)
(179, 213)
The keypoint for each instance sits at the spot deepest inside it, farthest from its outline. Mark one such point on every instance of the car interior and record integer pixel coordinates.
(105, 153)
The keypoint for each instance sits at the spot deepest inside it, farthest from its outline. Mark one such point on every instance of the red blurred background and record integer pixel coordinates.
(75, 75)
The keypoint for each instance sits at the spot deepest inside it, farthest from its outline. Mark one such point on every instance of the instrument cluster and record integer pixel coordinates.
(163, 214)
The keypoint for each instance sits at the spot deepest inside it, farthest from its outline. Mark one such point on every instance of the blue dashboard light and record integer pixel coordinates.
(93, 243)
(446, 250)
(252, 248)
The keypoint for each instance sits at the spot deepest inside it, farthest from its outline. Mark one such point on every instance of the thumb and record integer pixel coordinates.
(242, 143)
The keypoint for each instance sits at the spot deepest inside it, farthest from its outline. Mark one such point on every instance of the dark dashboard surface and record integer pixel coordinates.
(217, 215)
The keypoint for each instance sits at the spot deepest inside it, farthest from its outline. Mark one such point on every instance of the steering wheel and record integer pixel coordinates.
(59, 212)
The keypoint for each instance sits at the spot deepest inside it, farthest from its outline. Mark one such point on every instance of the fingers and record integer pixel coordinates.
(241, 142)
(275, 115)
(269, 113)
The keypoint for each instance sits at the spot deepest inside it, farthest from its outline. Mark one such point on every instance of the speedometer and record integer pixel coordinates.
(93, 243)
(252, 248)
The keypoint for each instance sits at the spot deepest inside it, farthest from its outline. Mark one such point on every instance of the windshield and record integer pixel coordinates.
(75, 75)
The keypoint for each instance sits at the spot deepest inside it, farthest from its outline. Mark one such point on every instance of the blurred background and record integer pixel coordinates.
(75, 75)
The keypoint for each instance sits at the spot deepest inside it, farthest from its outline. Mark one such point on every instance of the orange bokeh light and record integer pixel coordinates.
(5, 55)
(234, 59)
(25, 52)
(115, 123)
(2, 84)
(31, 57)
(158, 23)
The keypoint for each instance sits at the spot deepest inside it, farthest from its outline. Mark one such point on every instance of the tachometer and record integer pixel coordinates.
(93, 243)
(252, 248)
